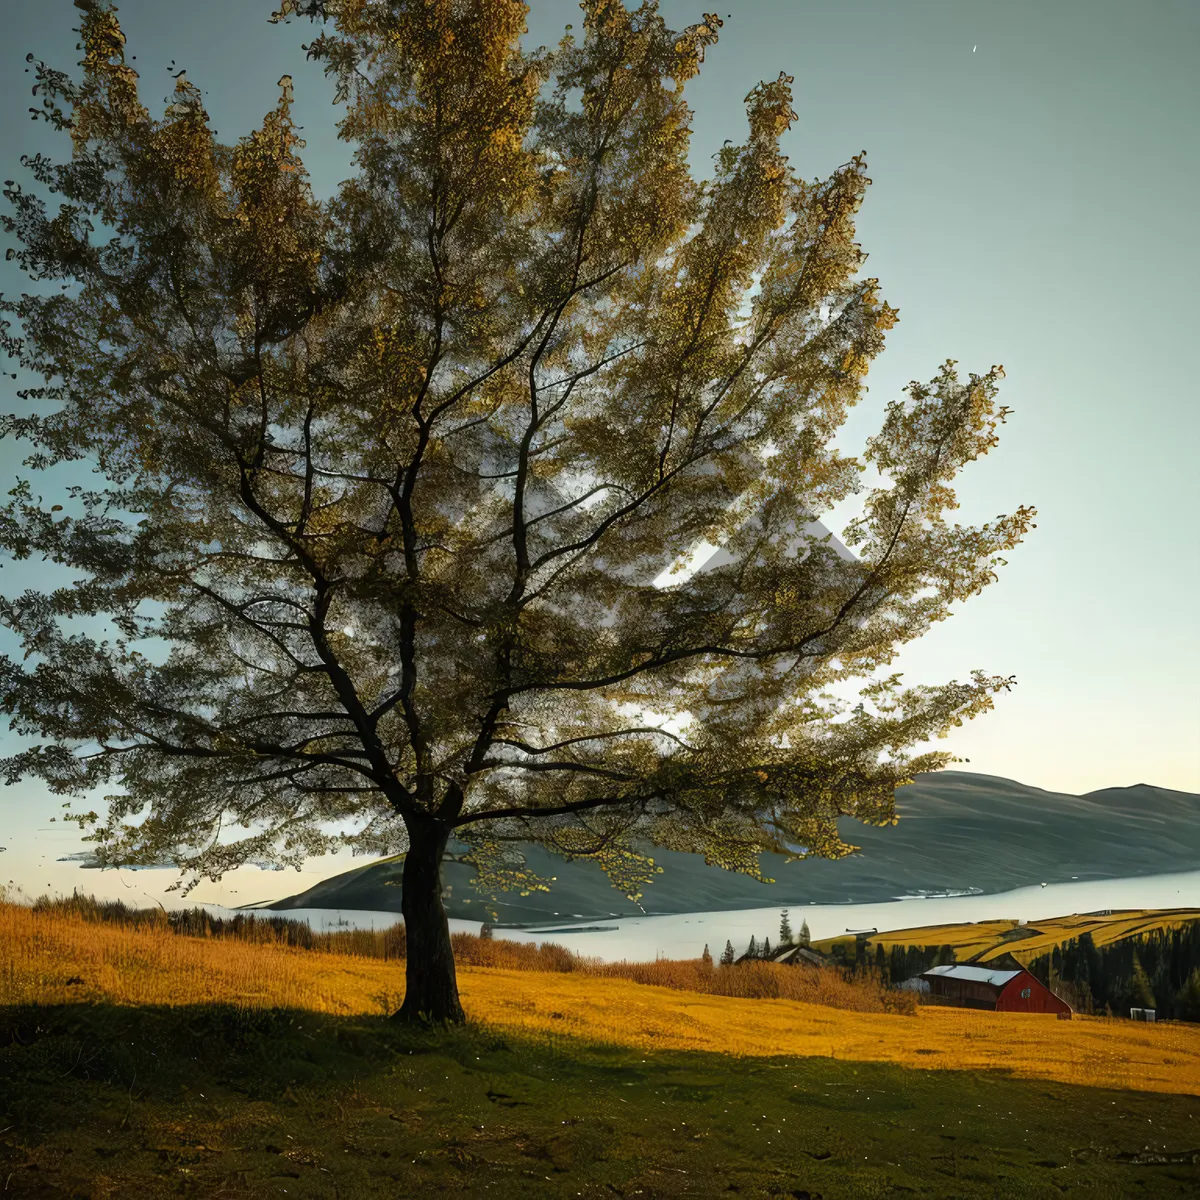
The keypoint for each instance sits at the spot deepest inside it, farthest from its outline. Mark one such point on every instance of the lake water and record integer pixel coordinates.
(643, 939)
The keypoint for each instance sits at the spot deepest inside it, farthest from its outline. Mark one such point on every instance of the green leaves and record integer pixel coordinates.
(471, 407)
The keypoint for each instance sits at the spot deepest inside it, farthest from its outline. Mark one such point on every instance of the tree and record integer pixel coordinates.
(1143, 992)
(913, 962)
(727, 955)
(805, 936)
(1095, 964)
(785, 930)
(1187, 999)
(392, 476)
(706, 958)
(765, 952)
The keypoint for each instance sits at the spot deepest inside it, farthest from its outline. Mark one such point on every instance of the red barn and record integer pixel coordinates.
(990, 988)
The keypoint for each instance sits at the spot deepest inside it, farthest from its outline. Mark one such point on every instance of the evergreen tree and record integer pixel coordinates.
(752, 952)
(805, 937)
(766, 948)
(382, 464)
(706, 958)
(1152, 970)
(1187, 999)
(785, 930)
(1143, 993)
(728, 956)
(881, 962)
(913, 964)
(1095, 967)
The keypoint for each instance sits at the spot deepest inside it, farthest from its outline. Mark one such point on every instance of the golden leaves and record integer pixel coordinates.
(496, 870)
(692, 44)
(771, 112)
(887, 317)
(273, 205)
(385, 343)
(103, 39)
(106, 77)
(185, 143)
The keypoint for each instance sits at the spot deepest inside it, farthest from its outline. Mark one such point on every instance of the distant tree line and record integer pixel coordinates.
(763, 950)
(1159, 970)
(893, 966)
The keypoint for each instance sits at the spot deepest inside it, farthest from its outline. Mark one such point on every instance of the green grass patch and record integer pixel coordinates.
(102, 1101)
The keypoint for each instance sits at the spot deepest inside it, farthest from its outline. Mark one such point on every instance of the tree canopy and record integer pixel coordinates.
(398, 471)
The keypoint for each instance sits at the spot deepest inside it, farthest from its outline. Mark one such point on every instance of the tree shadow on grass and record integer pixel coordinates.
(100, 1100)
(109, 1100)
(262, 1051)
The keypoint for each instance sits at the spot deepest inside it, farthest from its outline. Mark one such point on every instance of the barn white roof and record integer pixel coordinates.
(972, 974)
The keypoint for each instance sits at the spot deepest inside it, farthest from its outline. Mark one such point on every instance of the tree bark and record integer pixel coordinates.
(431, 990)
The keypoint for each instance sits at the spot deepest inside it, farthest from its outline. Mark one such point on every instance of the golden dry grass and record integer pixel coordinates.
(749, 980)
(1104, 930)
(128, 966)
(861, 991)
(1086, 1050)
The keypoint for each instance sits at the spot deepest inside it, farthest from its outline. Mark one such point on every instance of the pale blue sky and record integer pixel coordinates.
(1033, 205)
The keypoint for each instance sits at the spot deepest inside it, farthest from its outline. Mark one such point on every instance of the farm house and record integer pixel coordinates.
(1000, 990)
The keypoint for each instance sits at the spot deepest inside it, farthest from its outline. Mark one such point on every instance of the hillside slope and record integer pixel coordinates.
(984, 941)
(957, 831)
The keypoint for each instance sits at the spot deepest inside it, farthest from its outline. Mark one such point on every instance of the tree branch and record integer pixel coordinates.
(561, 810)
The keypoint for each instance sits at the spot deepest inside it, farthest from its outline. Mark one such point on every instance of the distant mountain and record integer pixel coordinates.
(958, 832)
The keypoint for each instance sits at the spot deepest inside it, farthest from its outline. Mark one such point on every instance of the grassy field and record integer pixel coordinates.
(990, 939)
(200, 1066)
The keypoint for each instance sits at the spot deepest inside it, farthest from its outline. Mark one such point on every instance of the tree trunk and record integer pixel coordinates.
(431, 984)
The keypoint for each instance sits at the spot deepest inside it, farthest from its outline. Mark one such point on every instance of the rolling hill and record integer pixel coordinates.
(984, 941)
(958, 831)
